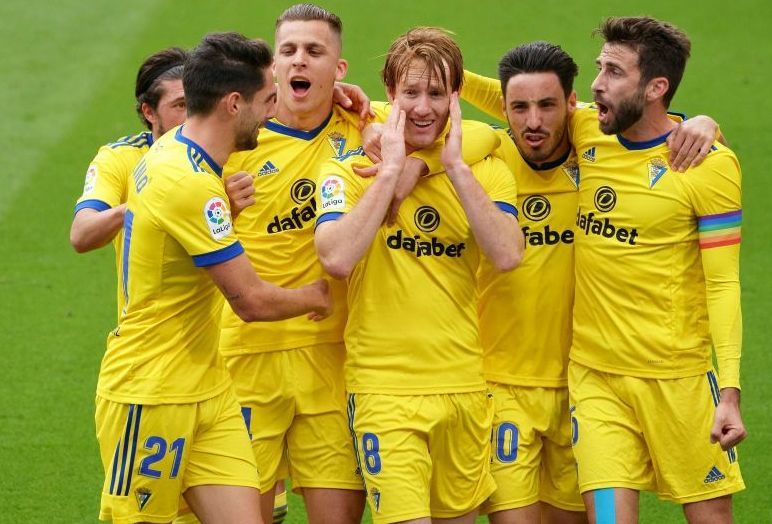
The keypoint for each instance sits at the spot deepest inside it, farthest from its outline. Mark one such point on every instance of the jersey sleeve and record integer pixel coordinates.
(106, 181)
(499, 182)
(197, 215)
(715, 192)
(338, 188)
(478, 141)
(484, 93)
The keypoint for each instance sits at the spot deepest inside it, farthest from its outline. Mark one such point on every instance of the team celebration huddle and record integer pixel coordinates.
(384, 304)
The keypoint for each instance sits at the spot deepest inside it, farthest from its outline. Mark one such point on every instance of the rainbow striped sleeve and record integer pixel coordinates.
(720, 230)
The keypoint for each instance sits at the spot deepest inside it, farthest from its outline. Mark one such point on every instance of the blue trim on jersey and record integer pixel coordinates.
(646, 144)
(133, 448)
(124, 455)
(128, 223)
(545, 166)
(139, 140)
(714, 391)
(507, 208)
(198, 149)
(98, 205)
(332, 215)
(276, 127)
(219, 256)
(605, 512)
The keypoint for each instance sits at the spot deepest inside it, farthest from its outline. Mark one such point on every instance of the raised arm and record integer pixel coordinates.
(342, 241)
(495, 229)
(92, 228)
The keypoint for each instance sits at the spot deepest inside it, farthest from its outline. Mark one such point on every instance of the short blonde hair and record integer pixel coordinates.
(432, 46)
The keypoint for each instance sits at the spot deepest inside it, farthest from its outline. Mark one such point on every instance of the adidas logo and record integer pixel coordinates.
(714, 475)
(268, 169)
(589, 154)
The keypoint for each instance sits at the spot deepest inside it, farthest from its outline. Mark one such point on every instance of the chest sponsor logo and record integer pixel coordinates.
(218, 218)
(427, 219)
(537, 208)
(338, 143)
(605, 200)
(302, 193)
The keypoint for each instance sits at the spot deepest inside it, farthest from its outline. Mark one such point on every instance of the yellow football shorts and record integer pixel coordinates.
(294, 404)
(649, 434)
(423, 455)
(531, 456)
(152, 453)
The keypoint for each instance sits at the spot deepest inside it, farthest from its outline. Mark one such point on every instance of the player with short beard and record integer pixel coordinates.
(167, 421)
(657, 290)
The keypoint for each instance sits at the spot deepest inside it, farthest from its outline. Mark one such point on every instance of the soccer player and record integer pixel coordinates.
(418, 409)
(167, 421)
(100, 209)
(657, 286)
(289, 374)
(525, 315)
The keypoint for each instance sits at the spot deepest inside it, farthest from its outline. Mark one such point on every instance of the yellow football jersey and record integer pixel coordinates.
(412, 326)
(107, 180)
(525, 314)
(656, 258)
(177, 223)
(278, 231)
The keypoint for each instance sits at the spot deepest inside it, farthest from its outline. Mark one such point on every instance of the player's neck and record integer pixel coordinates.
(653, 124)
(216, 140)
(302, 120)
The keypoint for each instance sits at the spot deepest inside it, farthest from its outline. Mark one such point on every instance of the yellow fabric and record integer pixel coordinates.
(165, 347)
(649, 303)
(425, 455)
(295, 404)
(484, 93)
(106, 184)
(531, 456)
(152, 454)
(277, 232)
(525, 314)
(412, 326)
(647, 434)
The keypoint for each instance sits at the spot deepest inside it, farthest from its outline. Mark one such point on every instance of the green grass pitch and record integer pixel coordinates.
(67, 83)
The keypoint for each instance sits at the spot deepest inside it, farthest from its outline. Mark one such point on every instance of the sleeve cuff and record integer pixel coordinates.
(219, 256)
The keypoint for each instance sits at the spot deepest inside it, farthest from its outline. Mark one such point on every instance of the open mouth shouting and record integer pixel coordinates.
(300, 86)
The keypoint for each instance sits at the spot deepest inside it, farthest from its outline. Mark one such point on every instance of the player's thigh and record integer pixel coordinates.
(319, 442)
(677, 416)
(607, 437)
(267, 403)
(221, 453)
(559, 484)
(518, 420)
(145, 452)
(225, 504)
(390, 437)
(460, 447)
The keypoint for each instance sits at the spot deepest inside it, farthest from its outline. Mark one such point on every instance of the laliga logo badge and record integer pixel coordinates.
(218, 218)
(536, 208)
(605, 199)
(427, 219)
(332, 192)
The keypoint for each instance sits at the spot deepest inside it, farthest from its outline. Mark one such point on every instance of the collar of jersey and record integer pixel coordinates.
(647, 144)
(549, 165)
(276, 127)
(208, 159)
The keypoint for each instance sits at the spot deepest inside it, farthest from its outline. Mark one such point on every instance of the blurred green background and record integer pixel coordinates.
(68, 71)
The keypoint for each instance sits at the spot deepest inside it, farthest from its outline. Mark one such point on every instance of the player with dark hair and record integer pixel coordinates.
(167, 421)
